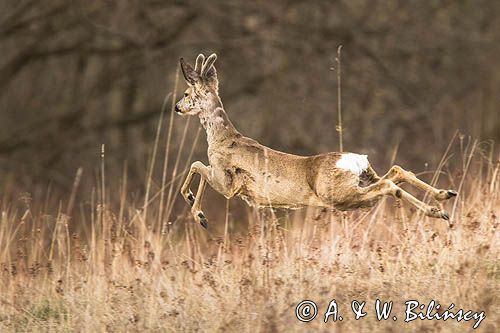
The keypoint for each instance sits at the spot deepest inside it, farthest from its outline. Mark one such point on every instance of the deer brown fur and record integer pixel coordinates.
(263, 177)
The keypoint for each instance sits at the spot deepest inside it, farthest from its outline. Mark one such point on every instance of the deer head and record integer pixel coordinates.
(202, 92)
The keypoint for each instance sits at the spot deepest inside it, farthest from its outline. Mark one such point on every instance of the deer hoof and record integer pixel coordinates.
(445, 194)
(438, 213)
(203, 220)
(190, 198)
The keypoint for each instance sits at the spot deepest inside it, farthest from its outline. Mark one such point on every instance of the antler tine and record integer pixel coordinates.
(208, 63)
(199, 63)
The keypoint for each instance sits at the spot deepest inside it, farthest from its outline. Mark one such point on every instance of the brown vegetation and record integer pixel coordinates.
(119, 268)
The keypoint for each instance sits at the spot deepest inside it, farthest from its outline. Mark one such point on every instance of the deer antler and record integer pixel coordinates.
(200, 59)
(207, 65)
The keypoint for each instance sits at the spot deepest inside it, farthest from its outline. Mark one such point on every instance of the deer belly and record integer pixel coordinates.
(278, 192)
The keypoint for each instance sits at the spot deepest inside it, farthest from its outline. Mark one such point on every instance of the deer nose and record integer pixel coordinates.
(177, 108)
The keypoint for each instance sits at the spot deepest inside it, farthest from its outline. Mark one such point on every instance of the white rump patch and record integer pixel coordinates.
(353, 162)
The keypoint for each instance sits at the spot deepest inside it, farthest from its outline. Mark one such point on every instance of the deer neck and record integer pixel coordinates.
(216, 124)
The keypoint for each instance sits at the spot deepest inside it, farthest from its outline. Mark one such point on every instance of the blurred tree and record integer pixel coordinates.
(77, 74)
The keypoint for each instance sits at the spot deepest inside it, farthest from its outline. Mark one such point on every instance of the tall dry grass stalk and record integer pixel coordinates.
(167, 147)
(340, 129)
(113, 267)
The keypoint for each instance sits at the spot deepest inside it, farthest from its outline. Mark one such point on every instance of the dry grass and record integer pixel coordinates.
(114, 267)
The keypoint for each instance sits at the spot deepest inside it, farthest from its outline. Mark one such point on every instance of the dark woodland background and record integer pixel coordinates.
(77, 74)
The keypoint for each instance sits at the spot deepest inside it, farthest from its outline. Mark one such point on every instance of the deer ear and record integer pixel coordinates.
(199, 63)
(189, 73)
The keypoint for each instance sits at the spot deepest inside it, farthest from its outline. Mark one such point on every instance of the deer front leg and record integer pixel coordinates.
(185, 190)
(399, 175)
(196, 209)
(195, 202)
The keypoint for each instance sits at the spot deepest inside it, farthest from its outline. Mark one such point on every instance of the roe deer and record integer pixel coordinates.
(264, 177)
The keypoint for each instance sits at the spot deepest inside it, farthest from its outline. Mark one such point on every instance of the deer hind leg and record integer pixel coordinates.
(372, 193)
(195, 201)
(399, 175)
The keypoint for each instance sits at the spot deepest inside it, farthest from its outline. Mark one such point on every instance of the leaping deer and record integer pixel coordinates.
(263, 177)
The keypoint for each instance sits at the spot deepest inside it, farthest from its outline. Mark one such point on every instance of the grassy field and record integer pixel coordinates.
(119, 267)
